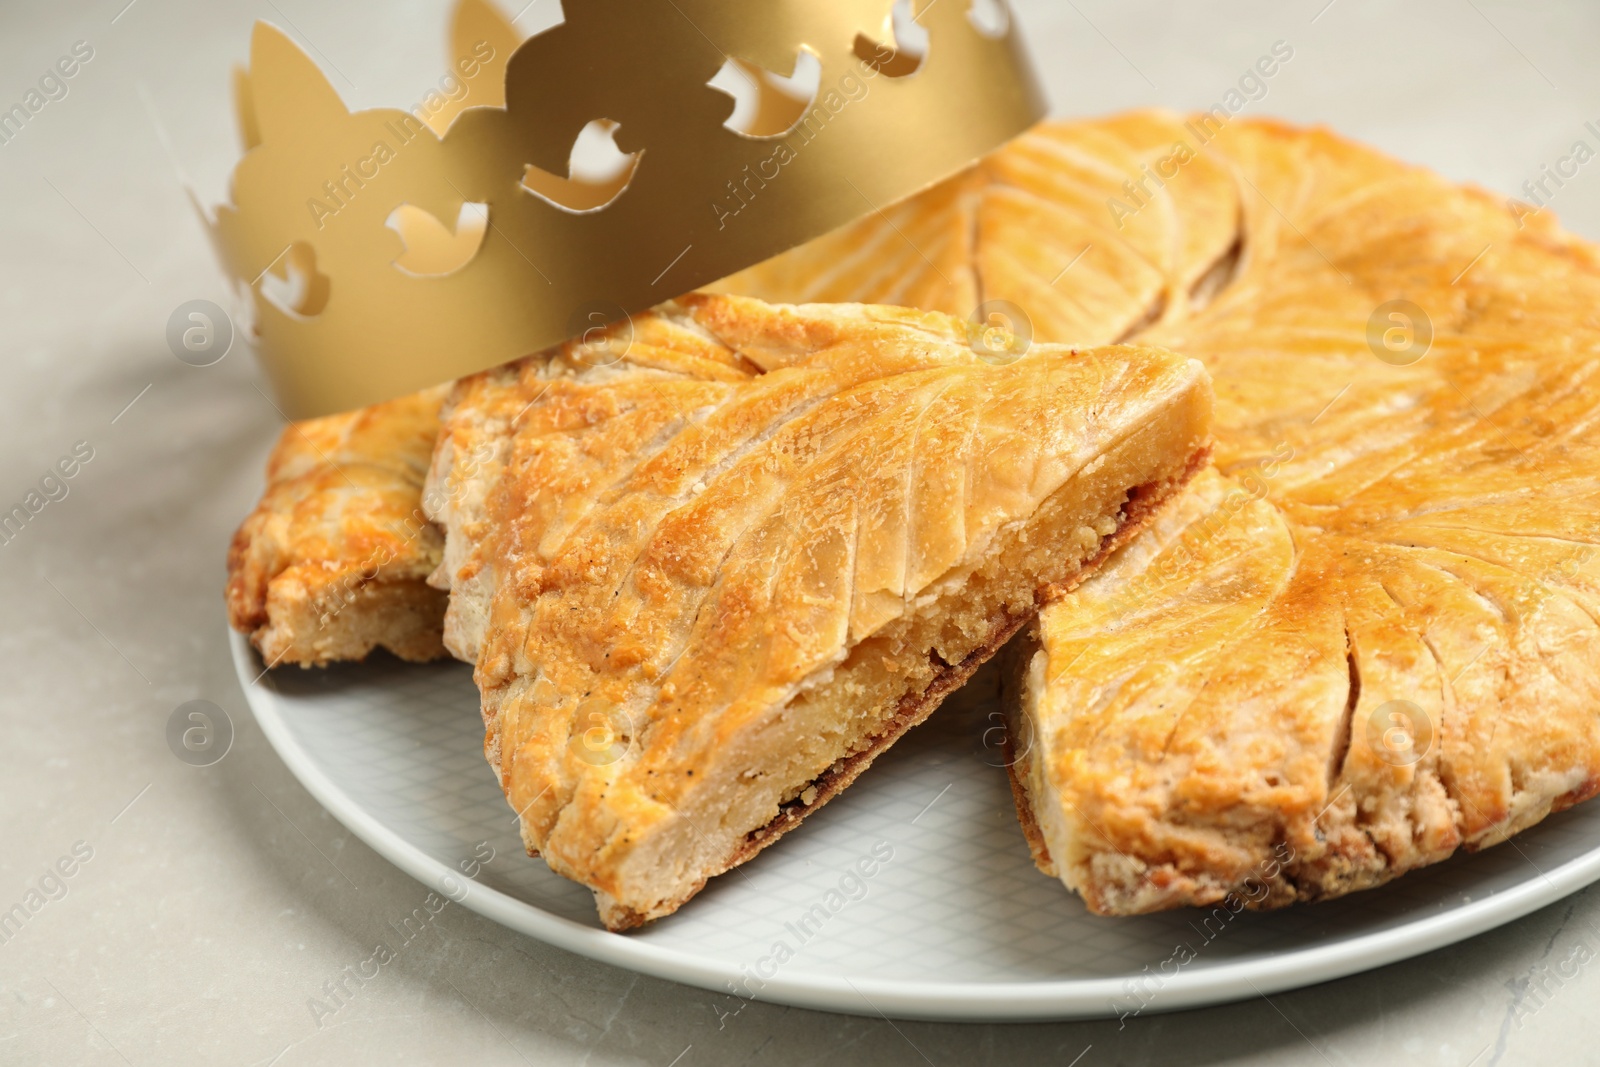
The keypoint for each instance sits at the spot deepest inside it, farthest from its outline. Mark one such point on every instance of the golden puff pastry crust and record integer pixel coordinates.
(1032, 225)
(1371, 636)
(334, 560)
(1008, 227)
(700, 603)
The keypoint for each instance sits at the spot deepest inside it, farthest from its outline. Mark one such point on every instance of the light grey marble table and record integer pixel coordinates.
(206, 913)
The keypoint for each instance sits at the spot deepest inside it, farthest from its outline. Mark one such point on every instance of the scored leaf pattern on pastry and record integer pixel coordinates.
(332, 561)
(1418, 536)
(668, 549)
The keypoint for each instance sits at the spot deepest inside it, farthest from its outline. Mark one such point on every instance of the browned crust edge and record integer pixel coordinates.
(1011, 692)
(403, 616)
(1030, 825)
(1143, 503)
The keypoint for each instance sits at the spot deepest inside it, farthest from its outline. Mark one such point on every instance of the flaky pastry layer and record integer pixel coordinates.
(699, 607)
(333, 562)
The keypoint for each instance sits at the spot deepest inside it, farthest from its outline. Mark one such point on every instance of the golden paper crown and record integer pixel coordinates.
(384, 251)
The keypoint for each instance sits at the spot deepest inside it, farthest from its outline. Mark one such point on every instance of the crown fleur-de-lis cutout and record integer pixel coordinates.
(899, 51)
(576, 192)
(437, 241)
(433, 249)
(294, 285)
(481, 40)
(772, 104)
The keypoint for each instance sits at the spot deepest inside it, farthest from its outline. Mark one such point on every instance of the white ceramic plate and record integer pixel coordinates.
(956, 924)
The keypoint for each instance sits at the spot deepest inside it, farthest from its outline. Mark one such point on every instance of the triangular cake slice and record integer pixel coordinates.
(713, 564)
(333, 561)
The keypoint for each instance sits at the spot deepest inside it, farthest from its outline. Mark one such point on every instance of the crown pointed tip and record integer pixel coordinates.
(265, 38)
(286, 85)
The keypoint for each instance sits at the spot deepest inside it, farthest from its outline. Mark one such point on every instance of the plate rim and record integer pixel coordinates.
(1007, 1001)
